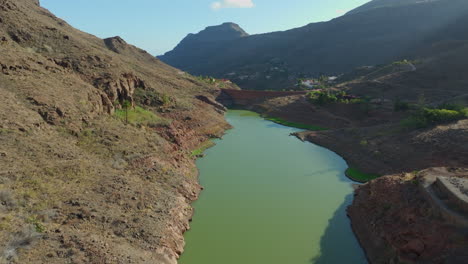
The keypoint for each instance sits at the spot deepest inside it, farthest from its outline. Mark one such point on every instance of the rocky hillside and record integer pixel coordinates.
(376, 33)
(78, 182)
(396, 220)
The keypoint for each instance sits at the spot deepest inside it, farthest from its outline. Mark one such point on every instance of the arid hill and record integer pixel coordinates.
(77, 183)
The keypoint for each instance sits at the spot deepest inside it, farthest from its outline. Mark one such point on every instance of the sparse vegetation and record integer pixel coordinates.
(296, 125)
(404, 62)
(199, 151)
(321, 97)
(206, 79)
(400, 106)
(426, 117)
(455, 107)
(359, 176)
(165, 99)
(300, 85)
(366, 105)
(364, 143)
(324, 97)
(139, 116)
(38, 226)
(153, 98)
(435, 116)
(5, 131)
(126, 105)
(220, 83)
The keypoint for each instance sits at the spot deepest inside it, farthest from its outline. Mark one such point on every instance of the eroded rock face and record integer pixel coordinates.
(118, 89)
(7, 5)
(219, 107)
(116, 44)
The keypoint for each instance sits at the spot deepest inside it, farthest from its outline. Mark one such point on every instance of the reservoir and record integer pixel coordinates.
(270, 198)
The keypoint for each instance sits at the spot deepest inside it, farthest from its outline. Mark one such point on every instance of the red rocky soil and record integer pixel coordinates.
(396, 224)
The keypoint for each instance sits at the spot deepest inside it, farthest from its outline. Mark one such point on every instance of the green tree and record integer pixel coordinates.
(126, 105)
(422, 101)
(323, 79)
(400, 106)
(299, 84)
(366, 105)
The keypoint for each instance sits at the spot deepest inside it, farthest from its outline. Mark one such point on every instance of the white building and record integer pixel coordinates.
(310, 83)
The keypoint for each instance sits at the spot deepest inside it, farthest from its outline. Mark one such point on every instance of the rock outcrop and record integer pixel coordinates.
(395, 222)
(119, 89)
(116, 44)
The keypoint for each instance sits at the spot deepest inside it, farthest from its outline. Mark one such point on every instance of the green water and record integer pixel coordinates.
(270, 199)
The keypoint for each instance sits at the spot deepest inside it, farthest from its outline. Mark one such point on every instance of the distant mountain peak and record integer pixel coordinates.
(225, 31)
(235, 27)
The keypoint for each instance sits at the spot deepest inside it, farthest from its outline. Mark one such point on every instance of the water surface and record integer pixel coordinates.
(270, 199)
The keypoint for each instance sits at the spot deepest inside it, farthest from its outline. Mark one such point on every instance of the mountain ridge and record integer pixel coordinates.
(377, 36)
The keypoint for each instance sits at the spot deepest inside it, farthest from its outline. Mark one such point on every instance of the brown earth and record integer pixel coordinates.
(396, 224)
(77, 184)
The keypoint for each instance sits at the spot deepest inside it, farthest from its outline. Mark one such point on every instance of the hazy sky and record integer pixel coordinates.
(158, 25)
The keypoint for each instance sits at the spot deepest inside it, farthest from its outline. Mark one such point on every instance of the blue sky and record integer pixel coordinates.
(158, 25)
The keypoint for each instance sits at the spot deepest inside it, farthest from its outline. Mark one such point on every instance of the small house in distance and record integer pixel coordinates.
(332, 79)
(311, 84)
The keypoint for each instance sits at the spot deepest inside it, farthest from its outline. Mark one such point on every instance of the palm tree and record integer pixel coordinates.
(126, 105)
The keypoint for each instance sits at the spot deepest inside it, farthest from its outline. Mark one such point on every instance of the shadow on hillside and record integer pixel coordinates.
(338, 244)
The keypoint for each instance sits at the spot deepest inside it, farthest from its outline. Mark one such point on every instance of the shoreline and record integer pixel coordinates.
(347, 174)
